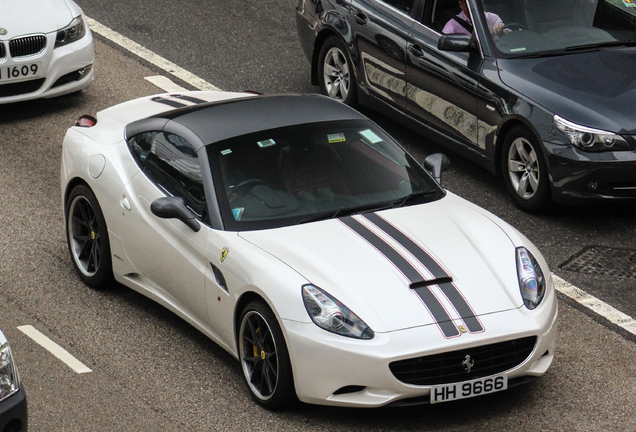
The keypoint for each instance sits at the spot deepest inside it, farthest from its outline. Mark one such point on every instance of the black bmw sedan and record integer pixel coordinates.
(541, 92)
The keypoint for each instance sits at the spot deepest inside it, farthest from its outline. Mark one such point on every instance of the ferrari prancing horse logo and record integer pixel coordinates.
(224, 253)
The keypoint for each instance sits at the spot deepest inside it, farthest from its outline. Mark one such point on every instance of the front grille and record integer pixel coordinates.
(447, 367)
(3, 53)
(26, 46)
(24, 87)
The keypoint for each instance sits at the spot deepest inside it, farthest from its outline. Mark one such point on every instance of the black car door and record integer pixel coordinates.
(443, 87)
(380, 29)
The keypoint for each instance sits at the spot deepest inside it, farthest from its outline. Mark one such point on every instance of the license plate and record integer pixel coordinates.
(467, 389)
(16, 72)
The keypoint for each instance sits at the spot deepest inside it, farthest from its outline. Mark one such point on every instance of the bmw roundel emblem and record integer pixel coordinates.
(3, 31)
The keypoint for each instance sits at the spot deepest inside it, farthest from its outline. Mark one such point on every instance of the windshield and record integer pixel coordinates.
(313, 171)
(548, 27)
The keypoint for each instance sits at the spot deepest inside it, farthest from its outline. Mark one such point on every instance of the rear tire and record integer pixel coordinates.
(264, 357)
(87, 238)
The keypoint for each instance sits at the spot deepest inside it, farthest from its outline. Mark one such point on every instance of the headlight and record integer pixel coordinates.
(71, 33)
(592, 140)
(328, 313)
(531, 279)
(9, 378)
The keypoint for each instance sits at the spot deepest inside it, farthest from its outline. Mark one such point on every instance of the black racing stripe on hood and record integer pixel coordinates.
(462, 307)
(422, 256)
(385, 249)
(432, 303)
(438, 312)
(442, 278)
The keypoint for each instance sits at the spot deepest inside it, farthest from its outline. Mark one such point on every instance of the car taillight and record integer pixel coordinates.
(86, 121)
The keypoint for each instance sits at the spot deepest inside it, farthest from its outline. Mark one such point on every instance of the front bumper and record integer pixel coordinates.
(63, 70)
(333, 370)
(13, 413)
(578, 176)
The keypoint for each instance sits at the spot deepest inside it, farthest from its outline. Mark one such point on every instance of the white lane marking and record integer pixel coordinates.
(608, 312)
(54, 349)
(146, 54)
(613, 315)
(165, 83)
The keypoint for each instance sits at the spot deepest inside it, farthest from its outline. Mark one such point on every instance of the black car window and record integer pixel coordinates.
(402, 5)
(439, 12)
(172, 163)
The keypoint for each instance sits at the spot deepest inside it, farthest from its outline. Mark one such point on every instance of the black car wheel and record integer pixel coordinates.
(524, 170)
(87, 238)
(337, 79)
(264, 357)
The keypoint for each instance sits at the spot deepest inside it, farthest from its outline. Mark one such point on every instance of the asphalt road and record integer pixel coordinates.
(151, 371)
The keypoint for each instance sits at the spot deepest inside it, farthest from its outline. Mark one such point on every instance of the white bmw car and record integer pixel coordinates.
(305, 241)
(46, 49)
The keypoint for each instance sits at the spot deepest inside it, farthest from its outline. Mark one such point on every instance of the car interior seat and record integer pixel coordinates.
(311, 170)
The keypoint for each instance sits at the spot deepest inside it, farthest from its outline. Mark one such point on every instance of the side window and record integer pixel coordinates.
(405, 6)
(172, 163)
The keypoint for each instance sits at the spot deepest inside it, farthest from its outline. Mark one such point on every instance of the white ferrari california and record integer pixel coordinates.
(46, 49)
(305, 241)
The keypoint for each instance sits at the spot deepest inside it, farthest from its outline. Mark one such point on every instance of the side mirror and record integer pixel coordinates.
(436, 164)
(455, 43)
(174, 208)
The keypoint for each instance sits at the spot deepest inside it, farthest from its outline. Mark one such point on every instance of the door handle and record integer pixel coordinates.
(416, 50)
(360, 17)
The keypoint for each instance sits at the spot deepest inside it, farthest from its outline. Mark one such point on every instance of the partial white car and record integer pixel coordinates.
(301, 238)
(46, 49)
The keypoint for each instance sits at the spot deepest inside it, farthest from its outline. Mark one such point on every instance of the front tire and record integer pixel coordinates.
(264, 357)
(335, 72)
(87, 238)
(524, 170)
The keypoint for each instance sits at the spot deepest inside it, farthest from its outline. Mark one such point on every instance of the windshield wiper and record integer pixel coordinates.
(413, 198)
(630, 42)
(416, 197)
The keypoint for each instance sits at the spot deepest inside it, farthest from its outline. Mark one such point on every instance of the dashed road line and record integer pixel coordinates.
(165, 83)
(151, 57)
(54, 349)
(596, 305)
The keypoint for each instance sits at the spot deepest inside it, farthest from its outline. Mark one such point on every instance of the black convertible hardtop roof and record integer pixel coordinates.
(217, 121)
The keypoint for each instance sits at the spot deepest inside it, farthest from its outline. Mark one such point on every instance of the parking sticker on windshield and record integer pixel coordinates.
(629, 3)
(370, 136)
(334, 138)
(266, 143)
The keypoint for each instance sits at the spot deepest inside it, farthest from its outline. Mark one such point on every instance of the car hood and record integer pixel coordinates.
(594, 89)
(34, 16)
(460, 239)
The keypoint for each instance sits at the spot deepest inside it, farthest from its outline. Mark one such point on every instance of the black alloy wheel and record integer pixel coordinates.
(87, 238)
(264, 357)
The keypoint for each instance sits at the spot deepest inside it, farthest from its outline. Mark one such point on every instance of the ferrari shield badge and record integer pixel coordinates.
(224, 253)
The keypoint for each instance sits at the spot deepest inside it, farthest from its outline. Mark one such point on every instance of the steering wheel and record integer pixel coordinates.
(243, 187)
(513, 26)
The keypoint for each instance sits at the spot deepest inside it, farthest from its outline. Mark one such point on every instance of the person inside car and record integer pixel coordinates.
(461, 23)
